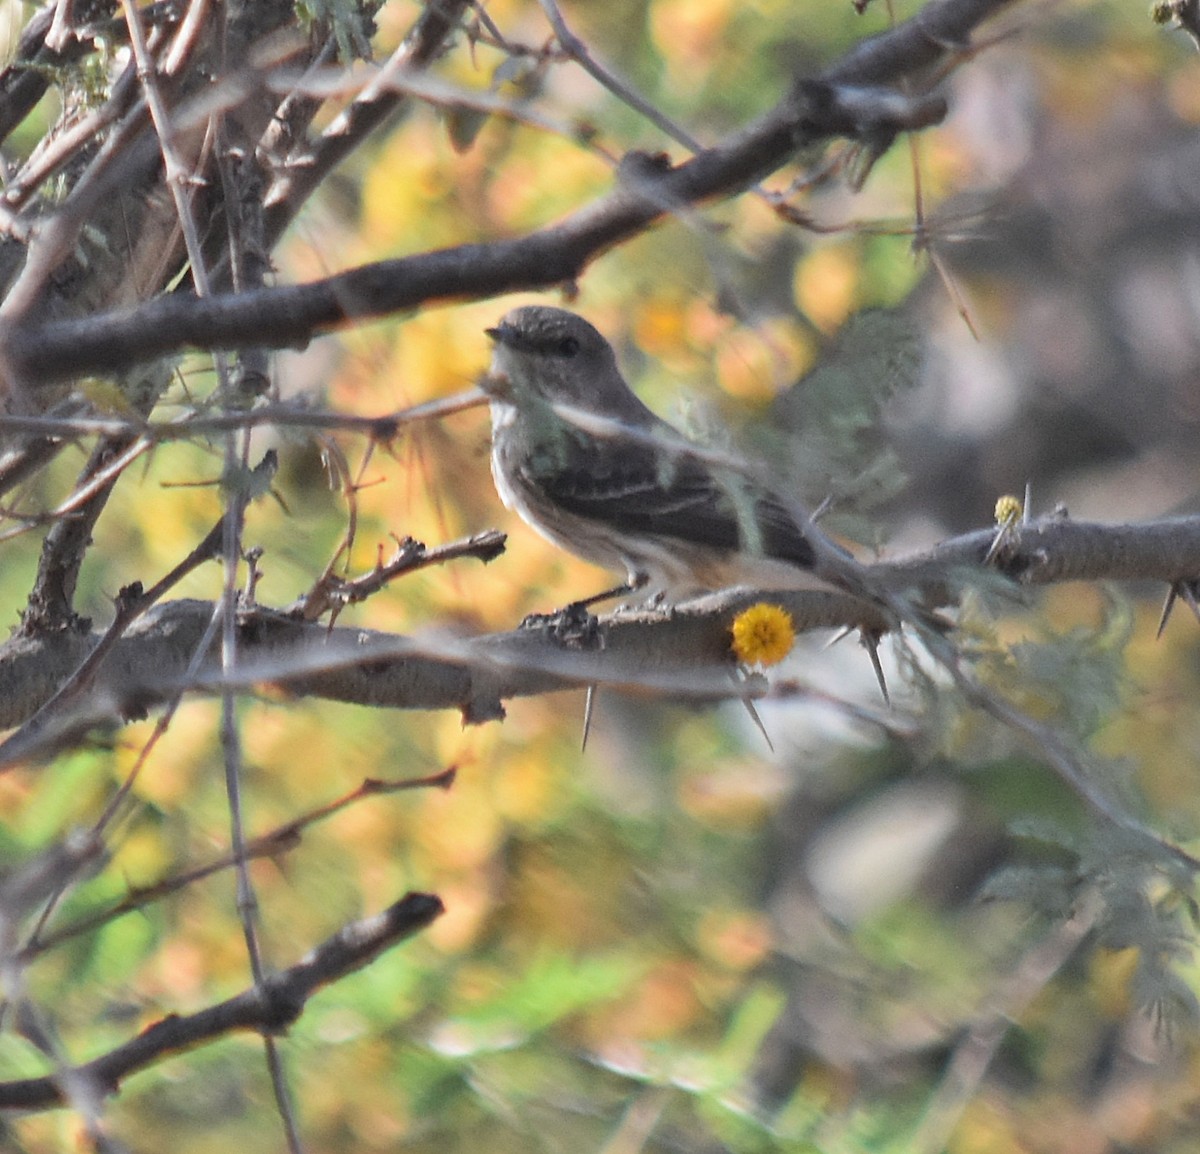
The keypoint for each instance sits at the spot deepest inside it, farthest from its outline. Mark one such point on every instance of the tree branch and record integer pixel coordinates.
(846, 100)
(269, 1009)
(360, 118)
(681, 653)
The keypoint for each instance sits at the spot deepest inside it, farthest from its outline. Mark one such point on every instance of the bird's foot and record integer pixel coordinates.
(572, 625)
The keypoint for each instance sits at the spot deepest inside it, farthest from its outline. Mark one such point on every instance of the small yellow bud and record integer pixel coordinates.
(1008, 510)
(763, 634)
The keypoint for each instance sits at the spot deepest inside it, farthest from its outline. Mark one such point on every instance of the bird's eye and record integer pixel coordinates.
(567, 347)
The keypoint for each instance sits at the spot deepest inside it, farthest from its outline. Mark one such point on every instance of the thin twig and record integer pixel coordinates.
(60, 151)
(578, 51)
(275, 842)
(267, 1008)
(974, 1054)
(330, 594)
(179, 173)
(356, 122)
(383, 428)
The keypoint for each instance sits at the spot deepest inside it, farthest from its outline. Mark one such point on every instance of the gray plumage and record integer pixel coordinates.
(622, 493)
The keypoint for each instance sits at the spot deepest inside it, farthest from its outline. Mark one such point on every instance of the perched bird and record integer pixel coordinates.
(593, 470)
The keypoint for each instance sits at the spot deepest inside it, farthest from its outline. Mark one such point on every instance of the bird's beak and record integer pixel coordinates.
(502, 334)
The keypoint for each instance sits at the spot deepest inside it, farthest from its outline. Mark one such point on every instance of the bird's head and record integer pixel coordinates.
(553, 355)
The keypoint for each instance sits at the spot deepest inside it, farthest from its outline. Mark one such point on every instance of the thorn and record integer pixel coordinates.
(740, 681)
(1005, 536)
(846, 631)
(1188, 590)
(589, 705)
(871, 644)
(1168, 605)
(756, 717)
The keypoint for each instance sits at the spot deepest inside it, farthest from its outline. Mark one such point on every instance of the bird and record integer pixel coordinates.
(583, 461)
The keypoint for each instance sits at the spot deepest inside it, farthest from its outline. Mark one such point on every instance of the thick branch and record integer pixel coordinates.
(846, 101)
(684, 653)
(1053, 550)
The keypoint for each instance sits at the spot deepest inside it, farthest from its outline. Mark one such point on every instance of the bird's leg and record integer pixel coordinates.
(574, 618)
(635, 582)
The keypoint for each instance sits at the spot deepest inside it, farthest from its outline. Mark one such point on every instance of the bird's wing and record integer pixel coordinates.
(641, 490)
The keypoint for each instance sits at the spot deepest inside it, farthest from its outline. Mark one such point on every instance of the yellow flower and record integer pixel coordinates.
(763, 634)
(1008, 510)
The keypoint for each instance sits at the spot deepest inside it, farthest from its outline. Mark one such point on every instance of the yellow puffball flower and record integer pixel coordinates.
(1008, 510)
(763, 634)
(1008, 514)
